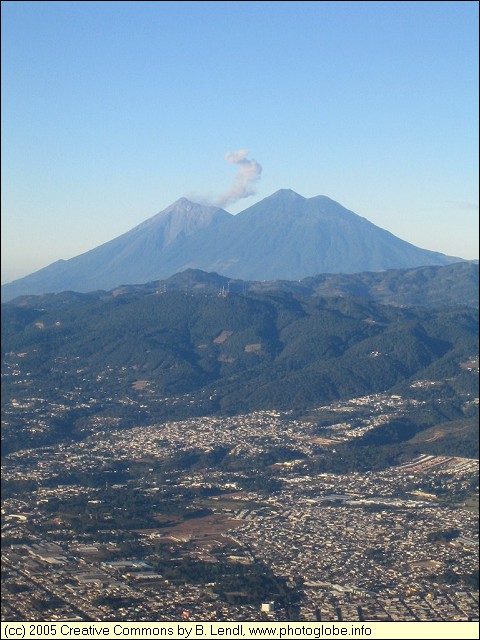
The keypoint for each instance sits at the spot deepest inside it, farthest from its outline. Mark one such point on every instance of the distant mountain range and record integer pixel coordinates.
(452, 285)
(283, 237)
(455, 284)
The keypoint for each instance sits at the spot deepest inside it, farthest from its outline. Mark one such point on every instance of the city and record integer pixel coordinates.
(196, 520)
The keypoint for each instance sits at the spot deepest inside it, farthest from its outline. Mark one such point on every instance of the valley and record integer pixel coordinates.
(196, 454)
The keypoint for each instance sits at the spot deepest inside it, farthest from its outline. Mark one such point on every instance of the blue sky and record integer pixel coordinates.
(111, 111)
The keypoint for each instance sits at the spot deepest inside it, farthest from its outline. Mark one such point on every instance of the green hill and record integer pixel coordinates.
(140, 357)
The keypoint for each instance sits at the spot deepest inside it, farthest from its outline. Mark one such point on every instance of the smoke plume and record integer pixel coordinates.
(249, 172)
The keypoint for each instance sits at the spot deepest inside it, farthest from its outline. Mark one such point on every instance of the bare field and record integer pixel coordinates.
(205, 529)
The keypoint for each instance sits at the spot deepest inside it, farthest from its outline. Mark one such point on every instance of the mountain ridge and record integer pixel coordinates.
(283, 237)
(453, 285)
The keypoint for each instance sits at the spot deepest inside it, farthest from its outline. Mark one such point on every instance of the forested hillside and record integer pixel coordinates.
(141, 357)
